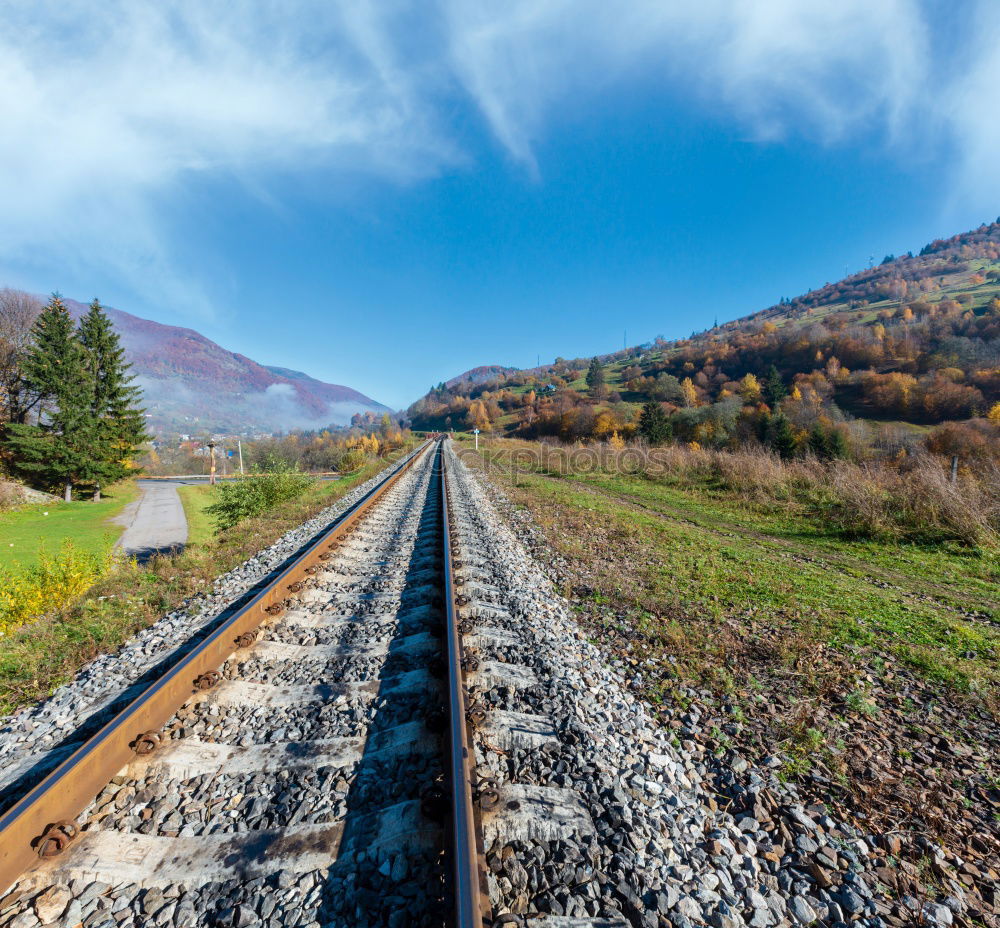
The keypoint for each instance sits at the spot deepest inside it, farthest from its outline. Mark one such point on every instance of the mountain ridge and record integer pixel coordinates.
(191, 383)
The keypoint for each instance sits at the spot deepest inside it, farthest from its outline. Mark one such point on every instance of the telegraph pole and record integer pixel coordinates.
(211, 466)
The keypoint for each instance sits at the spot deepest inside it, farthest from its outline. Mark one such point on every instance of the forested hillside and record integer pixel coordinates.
(901, 353)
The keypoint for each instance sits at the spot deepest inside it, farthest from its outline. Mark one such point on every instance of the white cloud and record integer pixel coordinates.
(775, 65)
(108, 108)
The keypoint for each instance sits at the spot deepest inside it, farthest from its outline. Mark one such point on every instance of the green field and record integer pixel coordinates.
(25, 532)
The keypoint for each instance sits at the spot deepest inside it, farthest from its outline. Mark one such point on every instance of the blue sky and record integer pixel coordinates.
(383, 195)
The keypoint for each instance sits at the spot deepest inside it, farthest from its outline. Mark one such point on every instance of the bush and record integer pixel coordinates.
(50, 584)
(256, 494)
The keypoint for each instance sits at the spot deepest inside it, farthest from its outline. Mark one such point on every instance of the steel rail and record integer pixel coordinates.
(472, 906)
(44, 818)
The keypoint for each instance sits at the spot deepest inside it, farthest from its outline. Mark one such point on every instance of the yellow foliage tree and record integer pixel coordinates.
(994, 414)
(477, 417)
(688, 392)
(617, 442)
(750, 388)
(604, 424)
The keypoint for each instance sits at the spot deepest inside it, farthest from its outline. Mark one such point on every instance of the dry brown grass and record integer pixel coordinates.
(913, 499)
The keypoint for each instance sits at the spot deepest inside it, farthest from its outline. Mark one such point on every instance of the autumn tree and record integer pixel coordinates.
(689, 393)
(605, 424)
(477, 416)
(18, 311)
(750, 389)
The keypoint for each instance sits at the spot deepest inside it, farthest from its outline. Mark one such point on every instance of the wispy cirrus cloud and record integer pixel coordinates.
(108, 108)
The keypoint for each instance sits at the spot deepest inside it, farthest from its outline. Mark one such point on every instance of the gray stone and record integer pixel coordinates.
(801, 910)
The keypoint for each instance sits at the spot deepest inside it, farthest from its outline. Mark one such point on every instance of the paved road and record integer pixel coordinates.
(155, 523)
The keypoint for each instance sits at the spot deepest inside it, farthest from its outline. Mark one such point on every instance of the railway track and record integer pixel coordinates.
(339, 751)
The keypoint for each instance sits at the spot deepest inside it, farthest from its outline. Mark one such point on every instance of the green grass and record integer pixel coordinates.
(948, 571)
(194, 498)
(693, 567)
(25, 532)
(759, 613)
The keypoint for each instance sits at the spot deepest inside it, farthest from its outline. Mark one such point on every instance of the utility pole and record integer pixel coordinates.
(239, 445)
(211, 466)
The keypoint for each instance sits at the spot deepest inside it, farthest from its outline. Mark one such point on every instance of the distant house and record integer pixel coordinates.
(548, 388)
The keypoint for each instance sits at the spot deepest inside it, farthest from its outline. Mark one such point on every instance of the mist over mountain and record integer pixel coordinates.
(191, 384)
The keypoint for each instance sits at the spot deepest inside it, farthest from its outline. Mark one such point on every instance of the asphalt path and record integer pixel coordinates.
(155, 523)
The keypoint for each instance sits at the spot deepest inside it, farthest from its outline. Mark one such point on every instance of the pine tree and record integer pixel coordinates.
(119, 422)
(595, 378)
(654, 425)
(57, 449)
(774, 387)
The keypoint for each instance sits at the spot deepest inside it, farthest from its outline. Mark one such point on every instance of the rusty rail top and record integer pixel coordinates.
(472, 906)
(42, 822)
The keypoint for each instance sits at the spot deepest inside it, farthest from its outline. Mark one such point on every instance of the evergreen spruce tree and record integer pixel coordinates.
(57, 448)
(654, 425)
(774, 387)
(819, 442)
(827, 444)
(837, 444)
(781, 436)
(118, 420)
(595, 378)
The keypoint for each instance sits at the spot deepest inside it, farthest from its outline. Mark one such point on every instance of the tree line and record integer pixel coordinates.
(71, 416)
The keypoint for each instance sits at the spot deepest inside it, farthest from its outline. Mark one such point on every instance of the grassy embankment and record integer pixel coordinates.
(847, 656)
(195, 498)
(40, 656)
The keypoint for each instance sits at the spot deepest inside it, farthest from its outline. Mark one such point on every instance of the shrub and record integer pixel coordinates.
(50, 584)
(256, 494)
